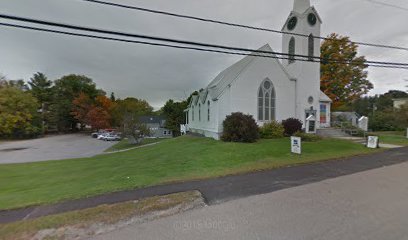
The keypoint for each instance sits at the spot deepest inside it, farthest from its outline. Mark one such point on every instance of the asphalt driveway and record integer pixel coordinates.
(51, 148)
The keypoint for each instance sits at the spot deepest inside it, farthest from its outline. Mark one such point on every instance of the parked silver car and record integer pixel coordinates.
(111, 137)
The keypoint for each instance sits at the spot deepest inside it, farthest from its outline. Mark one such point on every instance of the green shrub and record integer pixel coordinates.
(388, 120)
(239, 127)
(307, 137)
(272, 130)
(292, 125)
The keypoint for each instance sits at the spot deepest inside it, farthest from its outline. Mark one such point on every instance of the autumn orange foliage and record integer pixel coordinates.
(343, 74)
(94, 112)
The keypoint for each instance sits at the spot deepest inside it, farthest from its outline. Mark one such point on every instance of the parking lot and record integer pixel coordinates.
(51, 148)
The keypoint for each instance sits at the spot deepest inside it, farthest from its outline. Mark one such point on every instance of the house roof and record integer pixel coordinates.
(324, 97)
(152, 119)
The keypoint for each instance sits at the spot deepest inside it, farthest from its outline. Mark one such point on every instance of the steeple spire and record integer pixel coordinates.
(300, 6)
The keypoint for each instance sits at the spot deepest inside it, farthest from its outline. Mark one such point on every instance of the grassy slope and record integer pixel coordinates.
(124, 144)
(398, 138)
(177, 159)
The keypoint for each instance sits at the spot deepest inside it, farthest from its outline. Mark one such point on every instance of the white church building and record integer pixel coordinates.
(268, 88)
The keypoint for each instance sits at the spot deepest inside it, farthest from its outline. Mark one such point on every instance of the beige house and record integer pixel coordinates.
(399, 102)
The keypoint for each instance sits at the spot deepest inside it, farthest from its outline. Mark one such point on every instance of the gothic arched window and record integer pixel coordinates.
(311, 47)
(266, 101)
(208, 111)
(199, 112)
(291, 52)
(192, 114)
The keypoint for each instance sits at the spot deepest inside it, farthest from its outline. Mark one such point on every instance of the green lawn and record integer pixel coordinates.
(398, 138)
(124, 144)
(177, 159)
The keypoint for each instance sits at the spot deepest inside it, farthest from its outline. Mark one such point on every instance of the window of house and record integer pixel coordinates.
(311, 47)
(291, 52)
(208, 111)
(165, 133)
(192, 114)
(199, 112)
(266, 101)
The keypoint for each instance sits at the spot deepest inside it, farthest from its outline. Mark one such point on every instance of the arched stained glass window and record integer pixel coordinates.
(266, 101)
(311, 47)
(291, 52)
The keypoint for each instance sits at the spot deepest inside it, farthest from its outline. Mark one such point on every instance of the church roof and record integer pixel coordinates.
(324, 97)
(228, 76)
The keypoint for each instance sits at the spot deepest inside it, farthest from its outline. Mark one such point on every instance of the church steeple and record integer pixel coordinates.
(301, 47)
(300, 6)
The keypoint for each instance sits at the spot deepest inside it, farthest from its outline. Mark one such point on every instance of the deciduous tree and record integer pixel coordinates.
(95, 113)
(18, 110)
(175, 115)
(129, 106)
(343, 74)
(66, 90)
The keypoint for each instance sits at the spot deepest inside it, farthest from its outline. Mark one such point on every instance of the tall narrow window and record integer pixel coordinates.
(199, 112)
(266, 101)
(291, 52)
(311, 47)
(208, 111)
(192, 114)
(260, 104)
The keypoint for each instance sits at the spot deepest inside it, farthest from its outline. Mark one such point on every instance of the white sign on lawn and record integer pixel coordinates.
(372, 142)
(296, 145)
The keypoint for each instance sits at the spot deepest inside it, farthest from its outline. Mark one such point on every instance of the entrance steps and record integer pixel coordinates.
(332, 133)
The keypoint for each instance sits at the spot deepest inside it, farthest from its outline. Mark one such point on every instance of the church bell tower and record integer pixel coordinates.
(300, 44)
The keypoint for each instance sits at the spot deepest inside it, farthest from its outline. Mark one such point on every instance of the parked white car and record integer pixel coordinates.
(102, 136)
(112, 137)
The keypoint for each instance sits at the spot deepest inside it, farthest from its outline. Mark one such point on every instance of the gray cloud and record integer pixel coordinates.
(156, 73)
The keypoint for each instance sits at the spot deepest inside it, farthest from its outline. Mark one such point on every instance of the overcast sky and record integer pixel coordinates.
(157, 74)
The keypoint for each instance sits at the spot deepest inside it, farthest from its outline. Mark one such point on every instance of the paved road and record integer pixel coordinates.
(51, 148)
(371, 205)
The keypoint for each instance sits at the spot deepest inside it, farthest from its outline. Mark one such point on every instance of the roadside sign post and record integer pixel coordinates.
(373, 142)
(296, 145)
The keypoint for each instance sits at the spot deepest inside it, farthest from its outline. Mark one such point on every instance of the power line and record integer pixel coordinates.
(168, 45)
(232, 24)
(387, 5)
(200, 44)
